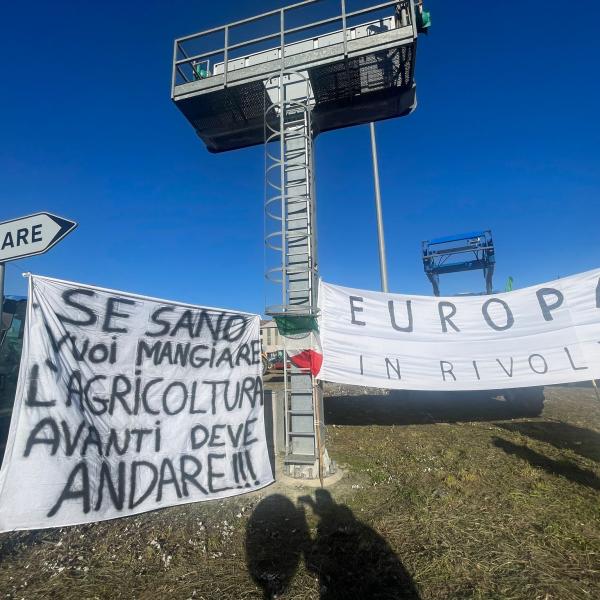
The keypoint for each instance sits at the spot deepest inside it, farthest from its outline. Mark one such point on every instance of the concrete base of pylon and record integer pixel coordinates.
(293, 468)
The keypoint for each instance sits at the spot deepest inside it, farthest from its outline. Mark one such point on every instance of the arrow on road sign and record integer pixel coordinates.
(33, 234)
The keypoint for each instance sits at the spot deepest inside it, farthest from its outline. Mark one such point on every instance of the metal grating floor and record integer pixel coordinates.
(362, 75)
(226, 107)
(374, 86)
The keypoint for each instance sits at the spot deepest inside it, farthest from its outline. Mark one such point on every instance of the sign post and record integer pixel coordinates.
(28, 236)
(1, 298)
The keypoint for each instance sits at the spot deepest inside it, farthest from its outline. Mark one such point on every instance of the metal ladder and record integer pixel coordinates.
(289, 203)
(290, 240)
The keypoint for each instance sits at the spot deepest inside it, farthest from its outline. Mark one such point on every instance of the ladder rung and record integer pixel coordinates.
(300, 459)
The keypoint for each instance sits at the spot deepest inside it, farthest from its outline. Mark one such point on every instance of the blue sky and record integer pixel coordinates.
(506, 136)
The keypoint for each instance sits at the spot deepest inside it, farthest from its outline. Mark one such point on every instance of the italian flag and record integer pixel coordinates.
(302, 341)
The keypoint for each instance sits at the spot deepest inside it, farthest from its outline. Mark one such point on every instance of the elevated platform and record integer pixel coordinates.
(457, 253)
(359, 72)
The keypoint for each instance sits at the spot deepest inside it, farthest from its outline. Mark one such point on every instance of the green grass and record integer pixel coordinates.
(487, 508)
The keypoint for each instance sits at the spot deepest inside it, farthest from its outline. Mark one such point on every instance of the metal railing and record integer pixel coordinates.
(183, 62)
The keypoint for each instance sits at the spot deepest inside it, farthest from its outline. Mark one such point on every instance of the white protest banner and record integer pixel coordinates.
(126, 404)
(537, 336)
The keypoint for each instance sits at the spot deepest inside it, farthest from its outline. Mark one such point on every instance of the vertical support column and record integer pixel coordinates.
(288, 120)
(380, 232)
(302, 457)
(2, 270)
(289, 226)
(2, 331)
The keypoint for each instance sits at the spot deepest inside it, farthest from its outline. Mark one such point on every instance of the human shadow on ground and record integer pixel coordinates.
(276, 538)
(416, 408)
(560, 435)
(562, 468)
(351, 560)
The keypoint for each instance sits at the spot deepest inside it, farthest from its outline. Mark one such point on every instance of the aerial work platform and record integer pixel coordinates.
(362, 71)
(457, 253)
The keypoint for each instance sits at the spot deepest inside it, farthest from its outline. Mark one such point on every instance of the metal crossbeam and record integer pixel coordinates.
(478, 253)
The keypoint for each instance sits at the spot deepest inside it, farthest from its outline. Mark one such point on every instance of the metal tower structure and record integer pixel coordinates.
(461, 252)
(282, 88)
(289, 188)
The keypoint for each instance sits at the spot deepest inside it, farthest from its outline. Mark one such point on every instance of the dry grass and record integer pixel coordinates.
(489, 509)
(482, 508)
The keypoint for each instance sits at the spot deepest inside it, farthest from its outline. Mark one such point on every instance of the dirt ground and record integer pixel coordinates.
(442, 497)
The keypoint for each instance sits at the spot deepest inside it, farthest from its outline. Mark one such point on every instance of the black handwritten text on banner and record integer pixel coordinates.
(536, 336)
(126, 404)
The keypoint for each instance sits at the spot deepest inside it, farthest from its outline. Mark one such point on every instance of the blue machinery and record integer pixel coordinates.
(461, 252)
